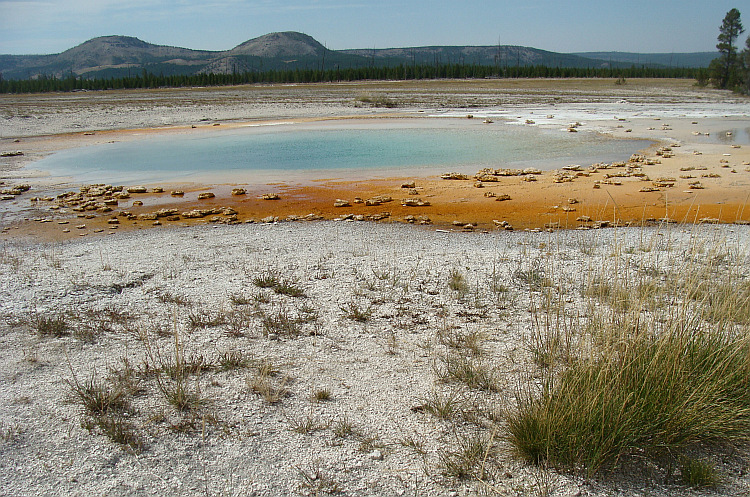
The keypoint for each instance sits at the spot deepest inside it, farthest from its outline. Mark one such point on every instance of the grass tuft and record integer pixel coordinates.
(442, 406)
(469, 458)
(96, 397)
(653, 395)
(119, 430)
(50, 326)
(457, 282)
(316, 482)
(267, 384)
(282, 322)
(356, 313)
(288, 288)
(322, 395)
(269, 279)
(698, 473)
(472, 372)
(233, 359)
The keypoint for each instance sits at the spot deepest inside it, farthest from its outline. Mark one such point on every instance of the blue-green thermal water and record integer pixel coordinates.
(299, 152)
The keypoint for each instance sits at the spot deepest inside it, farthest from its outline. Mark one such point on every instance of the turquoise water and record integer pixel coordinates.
(308, 151)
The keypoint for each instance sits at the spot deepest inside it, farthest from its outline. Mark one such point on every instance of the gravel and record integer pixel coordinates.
(378, 371)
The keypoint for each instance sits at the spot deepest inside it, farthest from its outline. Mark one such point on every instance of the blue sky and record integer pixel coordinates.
(51, 26)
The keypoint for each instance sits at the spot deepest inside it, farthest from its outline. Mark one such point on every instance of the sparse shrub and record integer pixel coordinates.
(85, 333)
(306, 425)
(344, 428)
(126, 378)
(261, 298)
(368, 443)
(462, 340)
(182, 367)
(173, 298)
(238, 323)
(307, 313)
(317, 482)
(411, 442)
(182, 396)
(535, 278)
(10, 432)
(377, 101)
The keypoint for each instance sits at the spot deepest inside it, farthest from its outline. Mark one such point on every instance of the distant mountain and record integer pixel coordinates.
(502, 55)
(118, 56)
(103, 55)
(289, 44)
(692, 59)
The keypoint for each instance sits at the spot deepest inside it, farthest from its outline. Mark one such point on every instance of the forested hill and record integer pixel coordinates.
(127, 57)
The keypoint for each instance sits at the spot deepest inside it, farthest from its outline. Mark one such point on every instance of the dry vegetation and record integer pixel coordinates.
(555, 364)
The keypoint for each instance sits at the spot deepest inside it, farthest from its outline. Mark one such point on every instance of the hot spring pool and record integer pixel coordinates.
(333, 149)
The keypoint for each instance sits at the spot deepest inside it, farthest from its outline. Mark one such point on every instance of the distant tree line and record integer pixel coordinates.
(731, 70)
(401, 72)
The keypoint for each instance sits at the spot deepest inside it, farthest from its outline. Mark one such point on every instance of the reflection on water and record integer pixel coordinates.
(731, 136)
(300, 152)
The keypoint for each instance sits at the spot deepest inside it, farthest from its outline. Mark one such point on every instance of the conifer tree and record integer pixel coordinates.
(726, 69)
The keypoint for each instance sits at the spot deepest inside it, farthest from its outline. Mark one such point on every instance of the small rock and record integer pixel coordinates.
(414, 202)
(455, 176)
(205, 195)
(376, 455)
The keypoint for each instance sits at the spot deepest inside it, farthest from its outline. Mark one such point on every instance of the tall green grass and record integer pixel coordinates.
(658, 396)
(652, 381)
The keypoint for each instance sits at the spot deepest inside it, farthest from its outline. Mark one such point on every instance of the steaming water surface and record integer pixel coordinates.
(350, 150)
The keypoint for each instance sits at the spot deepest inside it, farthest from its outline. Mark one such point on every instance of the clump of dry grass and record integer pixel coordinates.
(267, 382)
(473, 372)
(49, 325)
(470, 457)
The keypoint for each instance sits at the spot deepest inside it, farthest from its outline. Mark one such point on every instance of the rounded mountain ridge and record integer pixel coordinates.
(284, 44)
